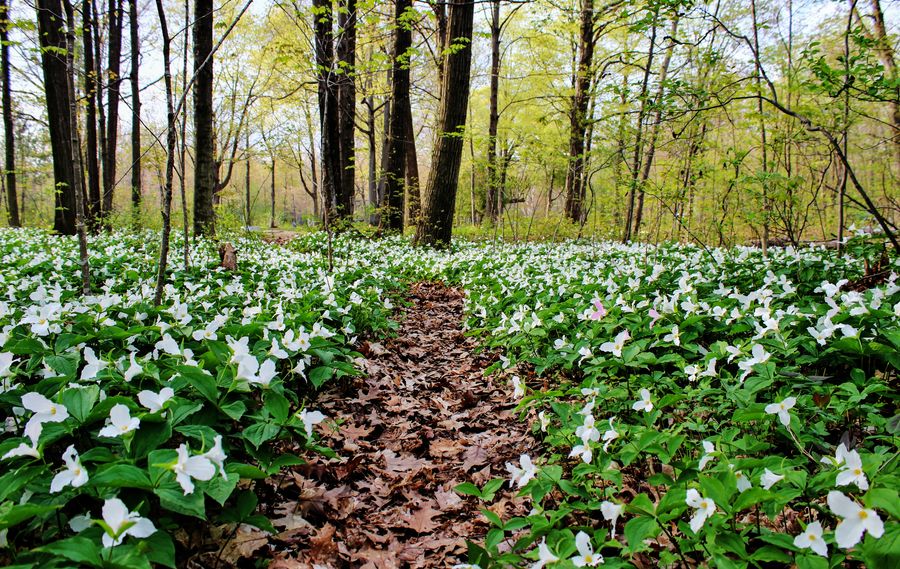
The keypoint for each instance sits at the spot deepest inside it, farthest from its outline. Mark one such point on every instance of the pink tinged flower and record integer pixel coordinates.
(812, 539)
(120, 523)
(586, 556)
(852, 471)
(611, 512)
(781, 409)
(599, 311)
(310, 419)
(522, 474)
(856, 520)
(120, 422)
(155, 401)
(704, 509)
(187, 468)
(654, 316)
(644, 403)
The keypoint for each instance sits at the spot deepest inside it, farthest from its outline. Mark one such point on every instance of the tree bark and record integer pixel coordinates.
(114, 81)
(413, 194)
(394, 191)
(272, 220)
(439, 197)
(885, 50)
(52, 40)
(94, 204)
(170, 149)
(493, 202)
(135, 114)
(346, 55)
(204, 136)
(762, 127)
(9, 164)
(575, 191)
(329, 124)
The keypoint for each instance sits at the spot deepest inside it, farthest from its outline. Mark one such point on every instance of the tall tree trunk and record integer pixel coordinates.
(575, 192)
(114, 81)
(90, 93)
(346, 55)
(248, 218)
(639, 134)
(135, 114)
(654, 127)
(51, 34)
(182, 139)
(75, 145)
(762, 129)
(9, 164)
(492, 202)
(373, 155)
(394, 191)
(98, 94)
(385, 148)
(413, 194)
(170, 151)
(204, 135)
(439, 197)
(329, 124)
(885, 50)
(272, 219)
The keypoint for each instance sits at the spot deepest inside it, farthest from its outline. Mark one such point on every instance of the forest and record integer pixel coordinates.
(481, 285)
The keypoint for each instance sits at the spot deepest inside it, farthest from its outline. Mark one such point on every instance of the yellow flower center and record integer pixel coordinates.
(863, 514)
(704, 504)
(857, 471)
(123, 428)
(812, 537)
(589, 558)
(53, 410)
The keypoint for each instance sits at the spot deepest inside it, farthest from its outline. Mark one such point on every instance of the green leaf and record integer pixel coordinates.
(203, 383)
(158, 548)
(235, 410)
(278, 406)
(318, 376)
(258, 433)
(77, 549)
(14, 514)
(468, 489)
(172, 497)
(637, 530)
(121, 476)
(883, 552)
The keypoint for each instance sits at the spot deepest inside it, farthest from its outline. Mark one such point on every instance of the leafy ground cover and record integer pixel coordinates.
(685, 406)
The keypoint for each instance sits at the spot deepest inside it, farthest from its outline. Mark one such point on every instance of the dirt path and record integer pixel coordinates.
(423, 420)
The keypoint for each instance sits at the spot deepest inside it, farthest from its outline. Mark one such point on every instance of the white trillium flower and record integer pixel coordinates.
(545, 556)
(522, 474)
(781, 409)
(609, 435)
(769, 479)
(743, 482)
(155, 401)
(518, 388)
(704, 508)
(168, 345)
(611, 512)
(74, 474)
(852, 471)
(584, 451)
(674, 337)
(708, 449)
(187, 468)
(120, 422)
(134, 369)
(586, 556)
(121, 523)
(617, 345)
(644, 403)
(217, 456)
(310, 419)
(545, 421)
(856, 520)
(93, 365)
(588, 431)
(812, 538)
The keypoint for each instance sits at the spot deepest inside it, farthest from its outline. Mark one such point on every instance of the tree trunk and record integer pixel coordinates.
(75, 145)
(114, 81)
(654, 127)
(385, 148)
(170, 148)
(52, 39)
(413, 194)
(248, 218)
(329, 124)
(394, 191)
(135, 114)
(762, 128)
(272, 220)
(373, 152)
(9, 164)
(885, 51)
(204, 135)
(346, 55)
(439, 198)
(575, 192)
(94, 204)
(492, 200)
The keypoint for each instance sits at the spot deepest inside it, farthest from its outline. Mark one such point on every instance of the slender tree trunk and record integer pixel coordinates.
(575, 192)
(373, 155)
(182, 144)
(170, 151)
(439, 197)
(9, 165)
(51, 34)
(75, 145)
(654, 127)
(328, 106)
(94, 204)
(135, 114)
(385, 148)
(114, 81)
(204, 135)
(413, 194)
(762, 130)
(272, 220)
(248, 217)
(638, 139)
(885, 51)
(394, 191)
(99, 92)
(491, 209)
(346, 55)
